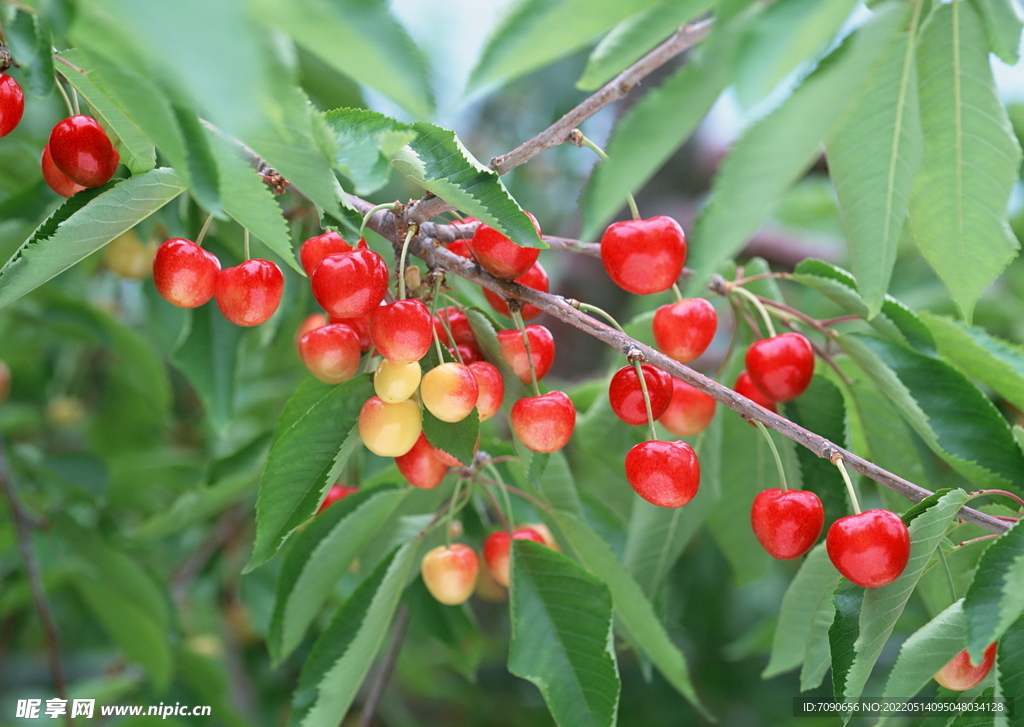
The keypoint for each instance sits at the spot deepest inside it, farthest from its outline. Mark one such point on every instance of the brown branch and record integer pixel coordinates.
(386, 668)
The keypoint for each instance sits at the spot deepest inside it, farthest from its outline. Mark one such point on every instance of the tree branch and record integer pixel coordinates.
(386, 668)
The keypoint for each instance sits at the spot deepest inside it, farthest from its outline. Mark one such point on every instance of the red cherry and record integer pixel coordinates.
(644, 256)
(684, 329)
(960, 675)
(500, 256)
(331, 353)
(496, 551)
(491, 387)
(544, 423)
(351, 284)
(627, 397)
(870, 549)
(56, 179)
(690, 411)
(12, 104)
(309, 323)
(248, 294)
(744, 387)
(664, 473)
(315, 249)
(81, 149)
(450, 573)
(184, 273)
(337, 492)
(781, 367)
(535, 278)
(513, 351)
(401, 331)
(460, 248)
(787, 523)
(421, 466)
(469, 352)
(451, 461)
(361, 325)
(457, 322)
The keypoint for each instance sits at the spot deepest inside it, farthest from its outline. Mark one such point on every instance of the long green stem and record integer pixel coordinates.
(518, 318)
(677, 291)
(433, 317)
(504, 492)
(587, 307)
(74, 98)
(67, 99)
(413, 229)
(372, 212)
(949, 574)
(756, 302)
(775, 453)
(245, 243)
(202, 232)
(584, 141)
(647, 399)
(837, 460)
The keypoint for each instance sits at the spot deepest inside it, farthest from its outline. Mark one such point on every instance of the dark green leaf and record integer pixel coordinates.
(455, 627)
(843, 634)
(365, 142)
(921, 507)
(996, 597)
(28, 37)
(208, 356)
(1010, 668)
(459, 439)
(925, 652)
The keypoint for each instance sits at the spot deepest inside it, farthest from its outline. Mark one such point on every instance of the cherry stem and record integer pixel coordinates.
(516, 491)
(677, 291)
(245, 243)
(647, 397)
(579, 139)
(451, 337)
(67, 99)
(978, 539)
(413, 229)
(588, 308)
(504, 492)
(775, 453)
(1004, 493)
(837, 460)
(949, 574)
(202, 231)
(839, 319)
(371, 213)
(433, 316)
(813, 322)
(756, 302)
(74, 97)
(518, 318)
(451, 513)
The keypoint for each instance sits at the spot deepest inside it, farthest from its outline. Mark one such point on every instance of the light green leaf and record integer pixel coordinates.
(1010, 668)
(818, 648)
(777, 150)
(365, 142)
(1003, 24)
(83, 225)
(872, 160)
(562, 636)
(557, 486)
(996, 597)
(31, 44)
(971, 158)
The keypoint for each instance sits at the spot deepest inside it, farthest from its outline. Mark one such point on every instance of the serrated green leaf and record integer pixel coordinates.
(562, 636)
(208, 356)
(28, 36)
(83, 225)
(872, 160)
(843, 633)
(305, 458)
(365, 142)
(343, 654)
(438, 162)
(459, 439)
(632, 608)
(996, 597)
(816, 579)
(1003, 24)
(629, 40)
(456, 628)
(918, 509)
(950, 414)
(557, 485)
(1010, 668)
(774, 152)
(971, 158)
(319, 556)
(817, 647)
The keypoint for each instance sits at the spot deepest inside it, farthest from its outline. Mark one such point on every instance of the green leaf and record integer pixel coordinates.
(537, 32)
(31, 44)
(777, 150)
(629, 40)
(459, 439)
(365, 142)
(1010, 666)
(456, 628)
(363, 40)
(816, 580)
(993, 361)
(971, 157)
(652, 129)
(196, 505)
(882, 606)
(1003, 24)
(557, 486)
(786, 35)
(343, 654)
(208, 356)
(950, 414)
(925, 652)
(996, 597)
(818, 647)
(562, 636)
(319, 556)
(313, 440)
(872, 160)
(438, 162)
(843, 634)
(80, 227)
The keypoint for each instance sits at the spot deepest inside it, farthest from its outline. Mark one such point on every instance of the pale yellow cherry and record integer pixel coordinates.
(396, 382)
(389, 430)
(449, 391)
(450, 573)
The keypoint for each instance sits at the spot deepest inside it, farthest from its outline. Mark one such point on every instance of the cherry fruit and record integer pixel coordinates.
(498, 255)
(421, 466)
(537, 278)
(12, 104)
(350, 284)
(401, 331)
(309, 323)
(389, 430)
(544, 423)
(684, 329)
(337, 492)
(449, 572)
(871, 549)
(81, 149)
(496, 551)
(248, 294)
(627, 398)
(359, 324)
(745, 387)
(185, 274)
(457, 323)
(449, 391)
(689, 412)
(56, 179)
(331, 353)
(315, 249)
(644, 256)
(787, 524)
(396, 382)
(491, 387)
(513, 351)
(781, 367)
(960, 674)
(666, 474)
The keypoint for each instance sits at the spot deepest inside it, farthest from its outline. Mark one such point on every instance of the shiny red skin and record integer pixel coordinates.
(496, 550)
(544, 423)
(56, 179)
(309, 323)
(12, 104)
(81, 149)
(351, 284)
(537, 278)
(330, 353)
(627, 398)
(469, 352)
(402, 331)
(960, 675)
(315, 249)
(361, 325)
(644, 256)
(420, 465)
(248, 294)
(513, 351)
(666, 474)
(689, 412)
(184, 273)
(787, 524)
(871, 549)
(781, 367)
(498, 255)
(337, 492)
(460, 248)
(491, 387)
(457, 321)
(683, 330)
(745, 387)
